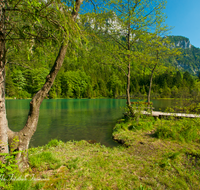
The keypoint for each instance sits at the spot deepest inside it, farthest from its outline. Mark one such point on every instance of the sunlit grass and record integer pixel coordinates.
(183, 130)
(145, 162)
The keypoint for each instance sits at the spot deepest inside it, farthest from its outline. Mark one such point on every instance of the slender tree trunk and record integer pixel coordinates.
(150, 84)
(3, 119)
(19, 141)
(128, 86)
(129, 66)
(128, 91)
(151, 79)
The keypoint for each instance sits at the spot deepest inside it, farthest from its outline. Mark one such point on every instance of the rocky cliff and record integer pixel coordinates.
(181, 42)
(190, 58)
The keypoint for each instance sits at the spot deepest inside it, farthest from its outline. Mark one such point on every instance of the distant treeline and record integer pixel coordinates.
(92, 80)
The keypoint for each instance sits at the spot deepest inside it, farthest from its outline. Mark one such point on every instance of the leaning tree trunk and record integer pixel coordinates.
(3, 119)
(19, 141)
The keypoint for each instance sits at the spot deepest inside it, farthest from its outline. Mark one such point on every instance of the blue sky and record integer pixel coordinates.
(184, 16)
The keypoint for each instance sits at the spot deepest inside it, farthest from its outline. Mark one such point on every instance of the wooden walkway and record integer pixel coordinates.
(161, 114)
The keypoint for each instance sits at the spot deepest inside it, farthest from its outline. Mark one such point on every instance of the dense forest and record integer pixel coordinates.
(89, 71)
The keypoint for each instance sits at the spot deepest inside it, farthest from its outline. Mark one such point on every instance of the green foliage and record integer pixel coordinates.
(41, 27)
(86, 74)
(53, 143)
(75, 84)
(8, 169)
(95, 64)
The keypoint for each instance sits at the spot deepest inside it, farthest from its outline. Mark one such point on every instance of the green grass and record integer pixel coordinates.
(184, 130)
(44, 160)
(169, 146)
(147, 161)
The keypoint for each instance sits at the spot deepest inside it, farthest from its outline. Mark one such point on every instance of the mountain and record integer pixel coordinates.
(189, 60)
(180, 41)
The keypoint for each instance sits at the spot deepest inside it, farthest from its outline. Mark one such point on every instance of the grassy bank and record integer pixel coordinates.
(156, 154)
(166, 151)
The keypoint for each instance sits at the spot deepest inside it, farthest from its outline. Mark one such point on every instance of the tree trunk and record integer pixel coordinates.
(129, 68)
(151, 79)
(150, 84)
(128, 91)
(24, 136)
(3, 119)
(19, 141)
(128, 86)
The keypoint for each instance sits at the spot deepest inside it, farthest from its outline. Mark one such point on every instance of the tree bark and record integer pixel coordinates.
(19, 141)
(3, 119)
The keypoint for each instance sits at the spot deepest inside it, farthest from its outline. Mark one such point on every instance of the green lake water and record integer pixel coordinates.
(73, 119)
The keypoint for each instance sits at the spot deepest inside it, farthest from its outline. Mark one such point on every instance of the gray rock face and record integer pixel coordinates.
(183, 44)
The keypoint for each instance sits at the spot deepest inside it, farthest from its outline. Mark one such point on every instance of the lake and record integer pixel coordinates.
(73, 119)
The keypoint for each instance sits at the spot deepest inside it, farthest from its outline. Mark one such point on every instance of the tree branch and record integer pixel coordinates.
(20, 65)
(76, 9)
(94, 6)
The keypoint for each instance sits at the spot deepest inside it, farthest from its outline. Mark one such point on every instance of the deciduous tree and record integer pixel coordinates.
(53, 15)
(136, 18)
(155, 50)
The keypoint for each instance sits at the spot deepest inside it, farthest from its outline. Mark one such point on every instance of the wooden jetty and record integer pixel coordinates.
(143, 106)
(165, 114)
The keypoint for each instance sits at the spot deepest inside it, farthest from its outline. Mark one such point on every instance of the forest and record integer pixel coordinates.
(86, 75)
(93, 80)
(90, 69)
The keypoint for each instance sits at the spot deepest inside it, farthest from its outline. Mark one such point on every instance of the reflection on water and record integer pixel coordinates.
(72, 119)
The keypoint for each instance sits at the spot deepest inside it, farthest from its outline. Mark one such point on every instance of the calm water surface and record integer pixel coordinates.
(72, 119)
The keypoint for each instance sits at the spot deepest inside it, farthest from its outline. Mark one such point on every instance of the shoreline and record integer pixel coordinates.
(140, 163)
